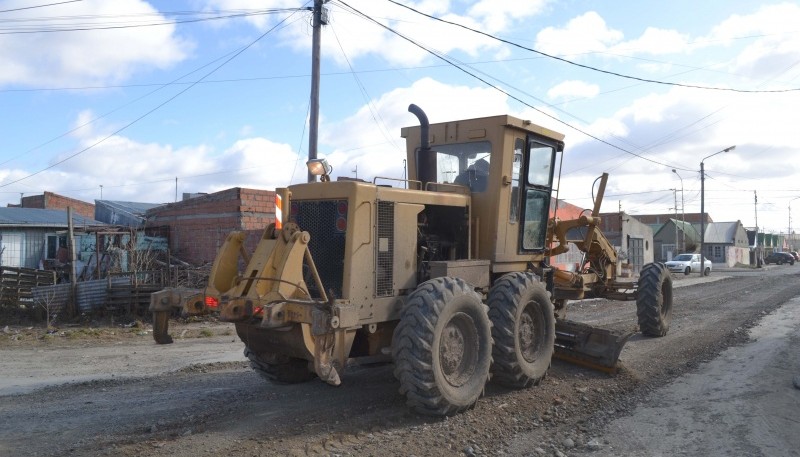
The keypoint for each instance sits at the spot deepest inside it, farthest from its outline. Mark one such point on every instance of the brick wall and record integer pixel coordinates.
(198, 226)
(49, 200)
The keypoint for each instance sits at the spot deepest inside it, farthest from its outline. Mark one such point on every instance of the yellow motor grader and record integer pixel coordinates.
(447, 273)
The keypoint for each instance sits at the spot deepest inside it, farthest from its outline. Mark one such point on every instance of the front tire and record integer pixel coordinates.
(707, 271)
(687, 270)
(523, 329)
(654, 300)
(442, 347)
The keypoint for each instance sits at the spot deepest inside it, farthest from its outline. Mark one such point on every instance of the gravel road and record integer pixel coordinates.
(690, 392)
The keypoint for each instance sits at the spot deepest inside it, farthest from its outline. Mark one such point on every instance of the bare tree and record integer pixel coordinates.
(47, 301)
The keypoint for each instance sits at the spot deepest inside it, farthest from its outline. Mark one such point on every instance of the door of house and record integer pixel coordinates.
(11, 249)
(636, 254)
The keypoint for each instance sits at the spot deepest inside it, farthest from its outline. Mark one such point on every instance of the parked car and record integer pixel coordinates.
(795, 255)
(780, 258)
(687, 263)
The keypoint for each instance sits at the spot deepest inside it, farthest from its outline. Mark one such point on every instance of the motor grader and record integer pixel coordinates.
(446, 274)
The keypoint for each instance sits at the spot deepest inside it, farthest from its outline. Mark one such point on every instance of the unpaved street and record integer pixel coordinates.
(674, 395)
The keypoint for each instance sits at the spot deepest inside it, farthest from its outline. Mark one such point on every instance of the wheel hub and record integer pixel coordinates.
(458, 350)
(528, 334)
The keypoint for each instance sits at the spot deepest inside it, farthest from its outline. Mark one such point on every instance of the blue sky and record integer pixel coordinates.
(215, 93)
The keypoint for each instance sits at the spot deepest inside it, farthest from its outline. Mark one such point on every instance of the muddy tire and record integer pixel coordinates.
(654, 300)
(279, 369)
(523, 329)
(442, 347)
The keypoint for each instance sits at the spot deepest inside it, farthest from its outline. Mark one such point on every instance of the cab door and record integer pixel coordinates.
(537, 187)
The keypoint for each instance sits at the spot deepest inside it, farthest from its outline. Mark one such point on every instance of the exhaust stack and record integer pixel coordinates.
(426, 158)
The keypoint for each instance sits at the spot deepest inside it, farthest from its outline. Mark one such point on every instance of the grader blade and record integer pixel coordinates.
(589, 346)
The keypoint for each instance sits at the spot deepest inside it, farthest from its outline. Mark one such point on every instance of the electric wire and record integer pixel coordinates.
(39, 6)
(74, 28)
(157, 107)
(508, 94)
(588, 67)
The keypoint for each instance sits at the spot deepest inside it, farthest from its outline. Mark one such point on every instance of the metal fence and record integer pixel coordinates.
(91, 295)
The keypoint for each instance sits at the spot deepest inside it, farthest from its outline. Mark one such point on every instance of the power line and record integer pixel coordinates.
(153, 109)
(152, 24)
(39, 6)
(447, 59)
(588, 67)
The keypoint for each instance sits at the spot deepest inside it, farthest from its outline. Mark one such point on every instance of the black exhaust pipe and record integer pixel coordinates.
(426, 159)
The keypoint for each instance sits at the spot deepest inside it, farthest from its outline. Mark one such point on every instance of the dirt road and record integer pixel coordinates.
(127, 396)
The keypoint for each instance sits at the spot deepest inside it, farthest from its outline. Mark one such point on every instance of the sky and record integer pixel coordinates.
(143, 101)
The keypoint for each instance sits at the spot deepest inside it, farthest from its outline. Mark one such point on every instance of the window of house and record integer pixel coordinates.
(54, 242)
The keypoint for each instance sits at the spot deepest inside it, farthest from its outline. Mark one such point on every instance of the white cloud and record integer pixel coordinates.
(497, 15)
(654, 41)
(583, 34)
(573, 89)
(777, 45)
(378, 150)
(87, 57)
(361, 37)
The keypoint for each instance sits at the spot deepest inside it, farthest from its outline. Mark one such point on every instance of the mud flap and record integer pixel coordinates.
(589, 346)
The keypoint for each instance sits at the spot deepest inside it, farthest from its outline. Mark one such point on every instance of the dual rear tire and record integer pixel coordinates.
(448, 342)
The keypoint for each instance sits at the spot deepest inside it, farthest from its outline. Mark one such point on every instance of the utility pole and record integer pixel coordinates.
(675, 197)
(320, 18)
(758, 250)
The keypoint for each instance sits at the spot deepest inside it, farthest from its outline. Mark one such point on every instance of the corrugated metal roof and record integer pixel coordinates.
(721, 232)
(134, 208)
(35, 217)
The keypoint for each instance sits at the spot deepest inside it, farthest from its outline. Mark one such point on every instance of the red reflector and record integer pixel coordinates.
(211, 302)
(341, 224)
(341, 208)
(258, 310)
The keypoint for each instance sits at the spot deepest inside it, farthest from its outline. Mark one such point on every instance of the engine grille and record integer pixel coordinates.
(384, 271)
(327, 243)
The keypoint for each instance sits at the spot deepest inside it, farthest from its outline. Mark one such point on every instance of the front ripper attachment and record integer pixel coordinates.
(593, 347)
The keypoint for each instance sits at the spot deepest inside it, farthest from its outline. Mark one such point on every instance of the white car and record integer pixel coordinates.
(687, 263)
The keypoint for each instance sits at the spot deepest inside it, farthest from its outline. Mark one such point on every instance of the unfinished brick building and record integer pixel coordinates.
(198, 226)
(49, 200)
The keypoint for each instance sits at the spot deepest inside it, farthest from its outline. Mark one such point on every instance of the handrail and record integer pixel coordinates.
(417, 183)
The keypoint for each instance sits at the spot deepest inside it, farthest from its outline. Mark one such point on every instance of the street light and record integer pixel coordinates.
(683, 214)
(703, 207)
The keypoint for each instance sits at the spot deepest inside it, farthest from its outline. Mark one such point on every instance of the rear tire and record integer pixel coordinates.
(278, 368)
(523, 329)
(442, 347)
(654, 300)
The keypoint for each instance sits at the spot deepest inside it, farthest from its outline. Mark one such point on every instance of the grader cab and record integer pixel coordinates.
(446, 274)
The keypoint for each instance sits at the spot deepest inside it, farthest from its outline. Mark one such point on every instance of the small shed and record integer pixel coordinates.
(30, 236)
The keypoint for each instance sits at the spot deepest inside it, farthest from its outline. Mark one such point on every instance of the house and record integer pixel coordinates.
(727, 243)
(199, 224)
(50, 200)
(30, 237)
(632, 239)
(668, 246)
